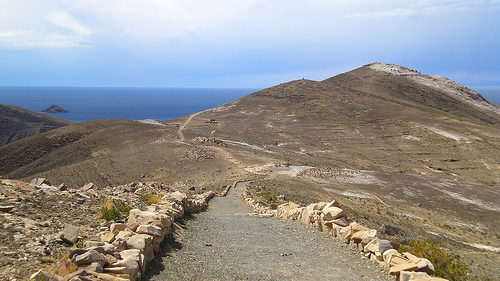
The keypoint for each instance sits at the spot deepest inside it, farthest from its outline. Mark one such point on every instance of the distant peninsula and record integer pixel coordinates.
(55, 109)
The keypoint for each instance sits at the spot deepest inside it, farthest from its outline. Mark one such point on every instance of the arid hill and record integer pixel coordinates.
(416, 153)
(17, 123)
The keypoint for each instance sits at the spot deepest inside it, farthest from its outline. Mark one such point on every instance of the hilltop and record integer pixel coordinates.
(18, 123)
(395, 147)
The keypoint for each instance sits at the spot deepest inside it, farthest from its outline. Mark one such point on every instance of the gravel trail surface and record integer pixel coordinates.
(227, 243)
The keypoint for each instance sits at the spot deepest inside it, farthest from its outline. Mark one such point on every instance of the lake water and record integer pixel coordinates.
(136, 103)
(491, 93)
(125, 103)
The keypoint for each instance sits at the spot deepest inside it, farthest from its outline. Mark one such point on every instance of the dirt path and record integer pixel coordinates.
(225, 243)
(184, 125)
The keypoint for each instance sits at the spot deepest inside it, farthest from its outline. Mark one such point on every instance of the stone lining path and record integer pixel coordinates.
(226, 243)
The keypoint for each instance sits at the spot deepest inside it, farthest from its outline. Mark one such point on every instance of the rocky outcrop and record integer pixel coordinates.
(122, 250)
(330, 218)
(55, 109)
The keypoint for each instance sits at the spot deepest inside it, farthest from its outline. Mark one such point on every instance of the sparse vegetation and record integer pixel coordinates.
(262, 203)
(447, 265)
(151, 198)
(113, 210)
(267, 196)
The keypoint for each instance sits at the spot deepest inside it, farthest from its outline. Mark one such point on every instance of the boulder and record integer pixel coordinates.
(37, 182)
(120, 245)
(393, 257)
(322, 205)
(90, 257)
(127, 266)
(424, 265)
(308, 213)
(69, 234)
(378, 247)
(107, 237)
(90, 243)
(133, 225)
(62, 267)
(151, 218)
(358, 236)
(396, 269)
(87, 187)
(368, 236)
(345, 234)
(333, 213)
(177, 197)
(283, 211)
(150, 230)
(334, 203)
(296, 213)
(136, 255)
(116, 227)
(143, 243)
(341, 222)
(355, 227)
(62, 187)
(95, 267)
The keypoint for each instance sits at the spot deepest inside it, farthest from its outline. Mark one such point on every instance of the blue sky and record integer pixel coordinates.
(242, 43)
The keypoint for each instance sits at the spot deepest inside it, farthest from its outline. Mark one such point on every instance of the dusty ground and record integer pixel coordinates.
(226, 243)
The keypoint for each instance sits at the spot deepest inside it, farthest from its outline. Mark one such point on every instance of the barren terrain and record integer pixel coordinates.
(393, 150)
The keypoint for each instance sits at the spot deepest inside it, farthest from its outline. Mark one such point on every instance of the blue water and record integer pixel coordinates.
(491, 93)
(137, 103)
(124, 103)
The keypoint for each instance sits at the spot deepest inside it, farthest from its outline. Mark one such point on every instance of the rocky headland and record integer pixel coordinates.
(55, 109)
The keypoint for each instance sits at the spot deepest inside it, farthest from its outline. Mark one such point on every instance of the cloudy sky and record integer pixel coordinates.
(241, 43)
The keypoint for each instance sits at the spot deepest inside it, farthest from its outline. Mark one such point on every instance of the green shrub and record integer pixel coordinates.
(108, 211)
(122, 207)
(267, 196)
(262, 203)
(447, 265)
(151, 198)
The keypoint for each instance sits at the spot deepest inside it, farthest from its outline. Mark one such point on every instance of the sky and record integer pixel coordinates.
(241, 43)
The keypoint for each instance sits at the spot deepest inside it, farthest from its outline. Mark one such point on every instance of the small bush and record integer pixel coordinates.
(122, 207)
(108, 211)
(151, 198)
(262, 203)
(447, 266)
(267, 196)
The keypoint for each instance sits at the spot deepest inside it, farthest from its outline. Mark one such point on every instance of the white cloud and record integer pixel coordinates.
(24, 39)
(64, 20)
(423, 8)
(388, 13)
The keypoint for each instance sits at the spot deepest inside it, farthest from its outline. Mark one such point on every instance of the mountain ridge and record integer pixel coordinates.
(18, 123)
(391, 150)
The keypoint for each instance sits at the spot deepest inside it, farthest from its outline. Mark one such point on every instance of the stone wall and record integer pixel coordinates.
(122, 251)
(330, 218)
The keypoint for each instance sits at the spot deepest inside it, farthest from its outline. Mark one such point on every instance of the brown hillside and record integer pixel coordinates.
(395, 147)
(17, 123)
